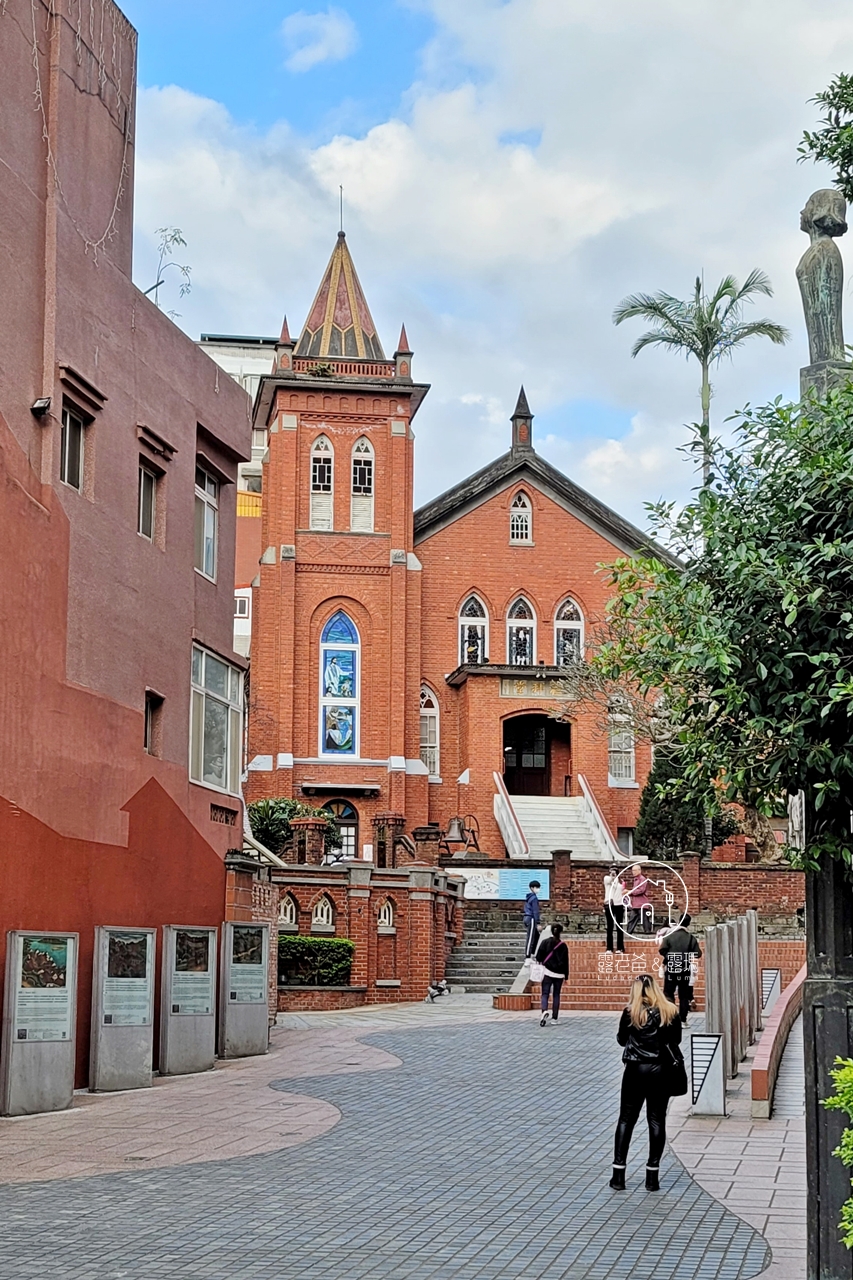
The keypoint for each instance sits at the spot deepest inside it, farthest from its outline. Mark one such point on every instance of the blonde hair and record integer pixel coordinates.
(645, 995)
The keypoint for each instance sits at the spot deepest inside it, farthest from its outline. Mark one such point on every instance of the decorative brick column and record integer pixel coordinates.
(691, 874)
(426, 842)
(309, 840)
(363, 972)
(561, 880)
(386, 828)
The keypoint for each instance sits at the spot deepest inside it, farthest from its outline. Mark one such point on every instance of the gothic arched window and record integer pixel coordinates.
(323, 915)
(568, 634)
(520, 519)
(521, 634)
(386, 915)
(322, 485)
(473, 632)
(339, 687)
(361, 502)
(288, 914)
(347, 820)
(430, 731)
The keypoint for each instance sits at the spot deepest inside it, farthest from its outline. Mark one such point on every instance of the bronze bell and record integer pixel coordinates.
(455, 830)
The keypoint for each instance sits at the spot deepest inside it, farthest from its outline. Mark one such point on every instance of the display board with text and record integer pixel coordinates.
(39, 1022)
(244, 989)
(122, 1032)
(188, 999)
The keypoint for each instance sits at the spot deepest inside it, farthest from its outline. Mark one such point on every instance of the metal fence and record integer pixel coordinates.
(733, 986)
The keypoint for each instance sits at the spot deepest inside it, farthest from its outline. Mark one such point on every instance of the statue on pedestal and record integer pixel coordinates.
(820, 274)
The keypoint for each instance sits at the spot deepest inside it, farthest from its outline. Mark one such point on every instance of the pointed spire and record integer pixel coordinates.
(284, 349)
(403, 357)
(522, 424)
(339, 322)
(285, 333)
(403, 348)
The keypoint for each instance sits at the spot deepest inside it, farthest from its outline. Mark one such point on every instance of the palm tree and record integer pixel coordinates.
(708, 328)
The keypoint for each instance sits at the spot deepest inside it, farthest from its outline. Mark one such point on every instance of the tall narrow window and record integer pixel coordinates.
(568, 634)
(347, 819)
(288, 914)
(322, 495)
(206, 522)
(473, 632)
(71, 449)
(361, 511)
(521, 635)
(145, 505)
(216, 722)
(339, 687)
(323, 916)
(520, 519)
(429, 731)
(152, 730)
(620, 758)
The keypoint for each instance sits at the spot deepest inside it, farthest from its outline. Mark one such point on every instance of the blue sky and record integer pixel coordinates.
(512, 169)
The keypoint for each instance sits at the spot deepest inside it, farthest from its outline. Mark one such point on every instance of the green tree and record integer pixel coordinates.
(748, 638)
(669, 824)
(833, 143)
(708, 328)
(270, 822)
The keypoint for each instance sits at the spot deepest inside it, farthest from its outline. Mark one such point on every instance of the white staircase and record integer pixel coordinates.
(534, 826)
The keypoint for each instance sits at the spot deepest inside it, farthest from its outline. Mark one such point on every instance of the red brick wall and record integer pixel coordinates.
(319, 999)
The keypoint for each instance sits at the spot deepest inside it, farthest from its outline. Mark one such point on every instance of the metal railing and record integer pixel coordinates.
(600, 830)
(508, 824)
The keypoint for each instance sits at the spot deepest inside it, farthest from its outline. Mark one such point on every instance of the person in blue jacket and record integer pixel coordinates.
(531, 918)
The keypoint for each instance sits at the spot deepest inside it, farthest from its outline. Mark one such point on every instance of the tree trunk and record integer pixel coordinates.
(706, 425)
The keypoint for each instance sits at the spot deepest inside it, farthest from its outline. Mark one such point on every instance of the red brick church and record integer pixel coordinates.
(403, 662)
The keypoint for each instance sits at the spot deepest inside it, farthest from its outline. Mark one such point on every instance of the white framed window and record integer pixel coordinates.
(323, 914)
(521, 634)
(621, 767)
(288, 913)
(206, 522)
(386, 915)
(71, 445)
(430, 731)
(242, 607)
(216, 722)
(146, 504)
(473, 632)
(361, 508)
(568, 634)
(322, 484)
(346, 815)
(521, 519)
(340, 654)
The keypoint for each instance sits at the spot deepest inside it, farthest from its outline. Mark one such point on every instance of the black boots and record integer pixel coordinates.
(617, 1182)
(652, 1183)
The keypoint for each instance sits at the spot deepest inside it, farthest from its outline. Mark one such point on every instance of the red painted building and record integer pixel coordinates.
(120, 694)
(400, 658)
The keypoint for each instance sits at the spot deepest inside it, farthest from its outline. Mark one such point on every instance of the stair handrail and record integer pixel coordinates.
(507, 820)
(599, 824)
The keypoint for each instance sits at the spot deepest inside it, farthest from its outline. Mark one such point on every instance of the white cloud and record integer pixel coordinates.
(312, 38)
(668, 146)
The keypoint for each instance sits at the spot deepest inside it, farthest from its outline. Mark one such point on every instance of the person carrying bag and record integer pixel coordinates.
(551, 968)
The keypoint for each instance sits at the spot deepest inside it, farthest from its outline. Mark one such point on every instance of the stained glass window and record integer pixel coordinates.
(521, 634)
(473, 632)
(339, 687)
(568, 634)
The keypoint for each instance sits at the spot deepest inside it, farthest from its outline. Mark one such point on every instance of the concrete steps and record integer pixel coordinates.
(555, 822)
(487, 961)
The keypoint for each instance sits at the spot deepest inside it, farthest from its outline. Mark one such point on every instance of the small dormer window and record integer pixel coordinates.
(520, 519)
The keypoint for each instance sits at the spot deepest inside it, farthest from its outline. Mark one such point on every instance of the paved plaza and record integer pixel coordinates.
(418, 1142)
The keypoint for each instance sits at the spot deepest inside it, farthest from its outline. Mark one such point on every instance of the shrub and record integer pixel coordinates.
(314, 962)
(270, 822)
(669, 823)
(842, 1100)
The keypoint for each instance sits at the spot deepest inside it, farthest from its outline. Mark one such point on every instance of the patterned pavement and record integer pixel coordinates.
(483, 1155)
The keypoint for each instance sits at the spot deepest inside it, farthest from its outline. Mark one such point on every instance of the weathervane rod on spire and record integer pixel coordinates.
(342, 206)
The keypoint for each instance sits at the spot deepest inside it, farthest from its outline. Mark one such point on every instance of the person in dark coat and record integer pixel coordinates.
(678, 950)
(531, 918)
(553, 953)
(648, 1030)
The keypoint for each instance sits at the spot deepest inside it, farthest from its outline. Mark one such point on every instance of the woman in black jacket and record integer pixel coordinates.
(553, 954)
(650, 1033)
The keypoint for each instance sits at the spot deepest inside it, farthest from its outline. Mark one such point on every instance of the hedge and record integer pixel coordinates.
(314, 962)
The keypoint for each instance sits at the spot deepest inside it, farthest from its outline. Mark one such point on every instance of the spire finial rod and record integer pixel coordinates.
(341, 189)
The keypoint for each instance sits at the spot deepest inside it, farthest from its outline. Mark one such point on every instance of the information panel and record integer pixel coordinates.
(44, 997)
(129, 978)
(193, 977)
(247, 976)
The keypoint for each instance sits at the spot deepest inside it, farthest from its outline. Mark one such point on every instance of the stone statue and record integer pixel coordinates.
(820, 275)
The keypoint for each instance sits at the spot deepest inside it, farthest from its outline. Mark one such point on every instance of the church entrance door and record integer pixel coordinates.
(527, 753)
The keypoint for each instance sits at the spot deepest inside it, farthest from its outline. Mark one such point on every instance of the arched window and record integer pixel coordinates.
(473, 632)
(568, 634)
(322, 494)
(386, 915)
(288, 914)
(429, 731)
(521, 634)
(361, 508)
(521, 519)
(323, 915)
(339, 687)
(347, 819)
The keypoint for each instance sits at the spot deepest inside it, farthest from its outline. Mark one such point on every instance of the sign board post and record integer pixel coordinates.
(39, 1022)
(243, 989)
(122, 1036)
(187, 999)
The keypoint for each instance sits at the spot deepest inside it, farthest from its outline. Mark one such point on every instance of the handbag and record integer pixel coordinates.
(675, 1072)
(537, 967)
